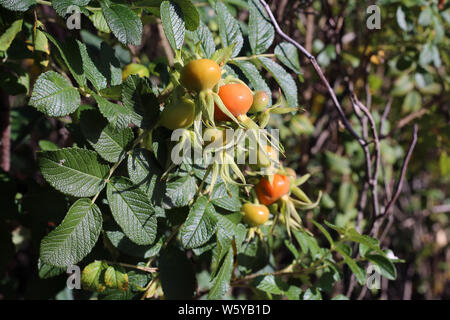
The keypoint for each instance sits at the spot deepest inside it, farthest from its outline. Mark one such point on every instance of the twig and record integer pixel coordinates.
(316, 66)
(374, 179)
(377, 222)
(5, 132)
(406, 120)
(386, 111)
(126, 265)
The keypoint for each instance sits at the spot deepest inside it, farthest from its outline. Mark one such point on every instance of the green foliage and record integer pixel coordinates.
(110, 143)
(73, 171)
(75, 237)
(123, 22)
(230, 32)
(200, 224)
(132, 210)
(173, 22)
(160, 218)
(54, 95)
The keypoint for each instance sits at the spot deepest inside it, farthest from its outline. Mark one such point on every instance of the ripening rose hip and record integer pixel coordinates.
(255, 214)
(260, 102)
(201, 74)
(179, 114)
(269, 193)
(238, 99)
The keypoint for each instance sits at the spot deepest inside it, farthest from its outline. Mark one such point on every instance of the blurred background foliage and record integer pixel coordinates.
(402, 67)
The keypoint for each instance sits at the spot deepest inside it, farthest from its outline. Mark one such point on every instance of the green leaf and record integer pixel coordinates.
(117, 294)
(287, 53)
(356, 269)
(325, 232)
(75, 237)
(347, 196)
(221, 282)
(253, 256)
(270, 284)
(345, 248)
(337, 163)
(91, 71)
(17, 5)
(200, 224)
(108, 63)
(402, 20)
(412, 102)
(123, 244)
(222, 55)
(92, 277)
(46, 145)
(47, 271)
(293, 293)
(205, 37)
(61, 6)
(8, 36)
(54, 95)
(219, 251)
(340, 297)
(141, 102)
(180, 192)
(70, 53)
(387, 268)
(402, 85)
(261, 32)
(307, 244)
(374, 244)
(190, 14)
(254, 77)
(221, 198)
(226, 225)
(428, 54)
(336, 228)
(118, 115)
(116, 277)
(132, 210)
(173, 24)
(301, 239)
(312, 294)
(425, 16)
(113, 93)
(124, 23)
(284, 79)
(177, 274)
(291, 248)
(146, 173)
(73, 171)
(110, 143)
(99, 22)
(229, 29)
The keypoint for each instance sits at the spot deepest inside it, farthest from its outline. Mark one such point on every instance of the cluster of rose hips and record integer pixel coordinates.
(230, 100)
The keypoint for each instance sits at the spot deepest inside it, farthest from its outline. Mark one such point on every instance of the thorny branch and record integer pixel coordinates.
(316, 66)
(365, 117)
(377, 222)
